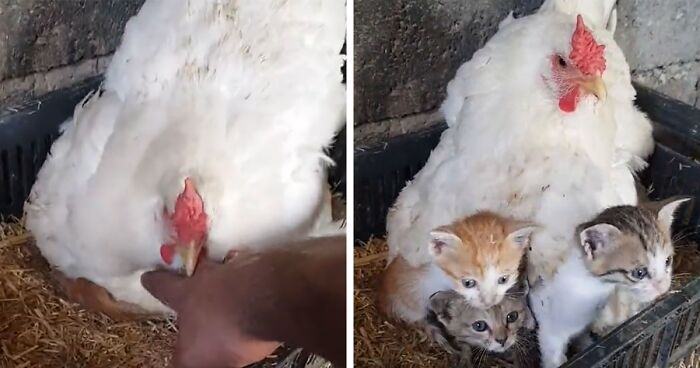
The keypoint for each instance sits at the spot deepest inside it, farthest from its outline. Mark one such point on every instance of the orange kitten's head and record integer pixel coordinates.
(482, 255)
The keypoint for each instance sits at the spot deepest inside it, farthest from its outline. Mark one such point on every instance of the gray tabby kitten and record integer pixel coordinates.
(620, 248)
(642, 267)
(457, 326)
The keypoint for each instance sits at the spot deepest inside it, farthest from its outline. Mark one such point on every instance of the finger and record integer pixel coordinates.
(238, 253)
(191, 352)
(252, 352)
(206, 264)
(231, 255)
(165, 286)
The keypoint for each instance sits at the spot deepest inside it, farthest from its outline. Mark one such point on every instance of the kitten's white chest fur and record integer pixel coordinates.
(565, 305)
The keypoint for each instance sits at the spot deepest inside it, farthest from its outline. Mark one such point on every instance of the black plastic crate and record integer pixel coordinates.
(28, 131)
(26, 135)
(662, 334)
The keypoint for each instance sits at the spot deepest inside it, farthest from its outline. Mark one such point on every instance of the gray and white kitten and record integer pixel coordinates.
(643, 269)
(617, 249)
(457, 326)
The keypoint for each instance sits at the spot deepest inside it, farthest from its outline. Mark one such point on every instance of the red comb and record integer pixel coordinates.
(586, 54)
(189, 218)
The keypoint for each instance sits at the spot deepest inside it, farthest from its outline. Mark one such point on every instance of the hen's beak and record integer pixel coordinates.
(189, 253)
(596, 87)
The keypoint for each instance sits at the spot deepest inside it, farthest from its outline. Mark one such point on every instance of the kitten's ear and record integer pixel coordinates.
(530, 322)
(520, 232)
(525, 287)
(440, 304)
(599, 239)
(665, 214)
(440, 300)
(442, 239)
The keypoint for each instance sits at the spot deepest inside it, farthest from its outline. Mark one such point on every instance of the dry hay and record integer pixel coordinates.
(691, 361)
(40, 329)
(380, 342)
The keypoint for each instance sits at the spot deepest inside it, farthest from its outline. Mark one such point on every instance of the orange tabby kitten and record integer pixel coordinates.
(478, 256)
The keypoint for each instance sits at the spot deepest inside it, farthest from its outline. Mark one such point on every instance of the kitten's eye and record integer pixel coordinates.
(503, 279)
(668, 261)
(640, 273)
(512, 317)
(469, 283)
(480, 326)
(561, 61)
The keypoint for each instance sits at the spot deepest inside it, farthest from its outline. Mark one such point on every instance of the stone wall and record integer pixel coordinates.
(48, 44)
(407, 50)
(661, 40)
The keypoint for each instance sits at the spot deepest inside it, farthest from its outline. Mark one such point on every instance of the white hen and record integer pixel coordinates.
(531, 135)
(240, 96)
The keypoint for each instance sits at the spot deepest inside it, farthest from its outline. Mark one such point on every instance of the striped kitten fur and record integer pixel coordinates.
(623, 247)
(458, 327)
(640, 263)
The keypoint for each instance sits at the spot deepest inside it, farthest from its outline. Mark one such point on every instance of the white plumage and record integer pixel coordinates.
(509, 148)
(242, 96)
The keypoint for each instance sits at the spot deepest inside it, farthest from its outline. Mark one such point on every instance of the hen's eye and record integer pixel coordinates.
(512, 317)
(480, 326)
(668, 261)
(640, 273)
(469, 283)
(503, 279)
(561, 61)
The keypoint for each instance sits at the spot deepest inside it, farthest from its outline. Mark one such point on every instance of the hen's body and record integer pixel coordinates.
(241, 96)
(509, 149)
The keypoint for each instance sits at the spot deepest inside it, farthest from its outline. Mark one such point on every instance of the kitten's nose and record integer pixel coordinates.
(502, 341)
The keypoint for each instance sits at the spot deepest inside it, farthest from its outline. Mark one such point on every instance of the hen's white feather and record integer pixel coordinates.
(597, 13)
(509, 149)
(243, 96)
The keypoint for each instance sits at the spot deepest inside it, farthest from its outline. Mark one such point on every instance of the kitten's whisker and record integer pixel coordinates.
(481, 357)
(481, 360)
(684, 234)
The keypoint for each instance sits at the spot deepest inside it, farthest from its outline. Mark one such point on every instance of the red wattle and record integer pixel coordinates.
(567, 103)
(167, 253)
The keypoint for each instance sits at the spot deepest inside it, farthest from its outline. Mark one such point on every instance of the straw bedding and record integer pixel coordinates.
(380, 342)
(40, 329)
